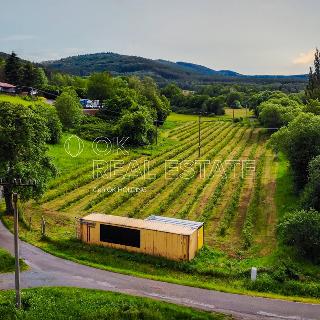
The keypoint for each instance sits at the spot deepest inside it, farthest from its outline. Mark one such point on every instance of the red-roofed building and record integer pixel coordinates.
(7, 87)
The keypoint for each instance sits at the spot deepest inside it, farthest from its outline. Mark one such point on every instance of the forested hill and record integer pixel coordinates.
(162, 71)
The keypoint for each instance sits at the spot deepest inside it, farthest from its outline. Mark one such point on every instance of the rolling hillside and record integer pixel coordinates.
(162, 71)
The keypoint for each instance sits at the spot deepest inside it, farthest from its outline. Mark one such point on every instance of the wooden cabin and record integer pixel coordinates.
(170, 238)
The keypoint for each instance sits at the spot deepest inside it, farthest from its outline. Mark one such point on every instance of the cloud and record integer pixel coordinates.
(18, 37)
(304, 58)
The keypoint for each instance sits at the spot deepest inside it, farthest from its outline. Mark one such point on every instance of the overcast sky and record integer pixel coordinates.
(247, 36)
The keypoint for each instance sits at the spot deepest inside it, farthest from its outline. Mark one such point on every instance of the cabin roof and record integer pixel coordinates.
(139, 223)
(179, 222)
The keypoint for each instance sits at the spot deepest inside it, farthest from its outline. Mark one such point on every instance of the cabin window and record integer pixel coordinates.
(120, 235)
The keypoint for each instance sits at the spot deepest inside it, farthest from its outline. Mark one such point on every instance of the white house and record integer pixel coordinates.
(7, 87)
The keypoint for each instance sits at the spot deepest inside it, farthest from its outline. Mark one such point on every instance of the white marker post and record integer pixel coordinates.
(253, 274)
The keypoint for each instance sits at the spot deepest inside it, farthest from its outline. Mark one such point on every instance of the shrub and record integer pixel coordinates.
(301, 229)
(138, 126)
(49, 113)
(91, 131)
(311, 193)
(69, 109)
(300, 142)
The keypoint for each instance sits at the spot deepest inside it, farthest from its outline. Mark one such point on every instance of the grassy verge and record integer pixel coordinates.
(211, 269)
(286, 199)
(7, 262)
(72, 303)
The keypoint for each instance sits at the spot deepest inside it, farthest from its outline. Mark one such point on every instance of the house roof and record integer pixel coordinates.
(138, 223)
(6, 85)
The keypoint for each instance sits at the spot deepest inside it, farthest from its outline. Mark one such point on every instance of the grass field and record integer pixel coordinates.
(239, 200)
(228, 116)
(17, 100)
(210, 199)
(74, 304)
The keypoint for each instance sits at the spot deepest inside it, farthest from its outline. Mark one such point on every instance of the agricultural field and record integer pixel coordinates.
(225, 197)
(238, 187)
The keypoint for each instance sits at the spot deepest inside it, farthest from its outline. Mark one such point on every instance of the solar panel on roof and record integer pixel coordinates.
(180, 222)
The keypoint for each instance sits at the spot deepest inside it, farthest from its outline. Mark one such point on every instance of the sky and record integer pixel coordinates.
(247, 36)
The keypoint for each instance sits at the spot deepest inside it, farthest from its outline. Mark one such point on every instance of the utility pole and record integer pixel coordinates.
(156, 122)
(14, 197)
(156, 132)
(199, 136)
(16, 250)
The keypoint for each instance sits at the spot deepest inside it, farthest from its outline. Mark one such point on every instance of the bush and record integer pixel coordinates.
(276, 113)
(69, 109)
(267, 283)
(300, 142)
(138, 126)
(49, 113)
(311, 193)
(91, 131)
(301, 229)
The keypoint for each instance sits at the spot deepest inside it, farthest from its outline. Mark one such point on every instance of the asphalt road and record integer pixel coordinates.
(48, 270)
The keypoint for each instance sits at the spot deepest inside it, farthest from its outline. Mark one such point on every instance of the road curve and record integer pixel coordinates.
(48, 270)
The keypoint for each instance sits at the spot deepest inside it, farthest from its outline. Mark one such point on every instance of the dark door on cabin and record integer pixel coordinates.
(120, 235)
(88, 233)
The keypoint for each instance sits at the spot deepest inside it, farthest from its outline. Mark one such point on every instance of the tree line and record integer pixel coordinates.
(297, 117)
(22, 73)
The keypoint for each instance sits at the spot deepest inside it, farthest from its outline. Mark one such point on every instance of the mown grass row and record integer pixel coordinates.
(180, 128)
(125, 197)
(84, 180)
(152, 195)
(178, 190)
(229, 213)
(207, 212)
(158, 161)
(78, 173)
(187, 151)
(247, 231)
(85, 169)
(186, 209)
(192, 131)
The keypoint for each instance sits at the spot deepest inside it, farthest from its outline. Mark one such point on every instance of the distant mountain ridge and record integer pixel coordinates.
(183, 73)
(162, 71)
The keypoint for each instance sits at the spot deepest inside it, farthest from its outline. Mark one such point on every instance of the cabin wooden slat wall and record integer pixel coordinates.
(171, 241)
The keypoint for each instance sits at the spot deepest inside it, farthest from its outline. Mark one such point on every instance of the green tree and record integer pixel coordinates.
(23, 136)
(123, 99)
(313, 87)
(13, 69)
(300, 142)
(301, 229)
(100, 86)
(232, 97)
(137, 126)
(2, 66)
(171, 90)
(311, 192)
(29, 74)
(40, 78)
(214, 105)
(69, 109)
(312, 106)
(52, 121)
(158, 102)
